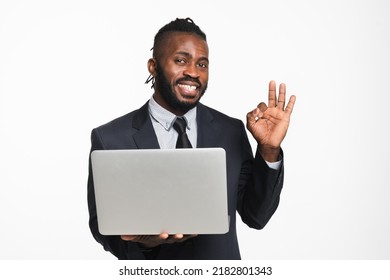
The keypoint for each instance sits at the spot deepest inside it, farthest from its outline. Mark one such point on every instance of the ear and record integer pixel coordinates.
(152, 66)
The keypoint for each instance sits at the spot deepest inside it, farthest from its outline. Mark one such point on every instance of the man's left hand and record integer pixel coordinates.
(269, 124)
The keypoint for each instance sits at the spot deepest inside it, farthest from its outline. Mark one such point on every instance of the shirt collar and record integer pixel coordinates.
(166, 118)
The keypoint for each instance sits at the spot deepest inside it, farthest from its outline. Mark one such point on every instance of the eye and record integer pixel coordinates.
(203, 65)
(180, 61)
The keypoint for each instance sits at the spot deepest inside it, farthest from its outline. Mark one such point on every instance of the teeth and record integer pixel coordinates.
(187, 87)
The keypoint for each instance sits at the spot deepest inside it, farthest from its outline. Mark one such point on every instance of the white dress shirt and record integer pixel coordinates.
(163, 121)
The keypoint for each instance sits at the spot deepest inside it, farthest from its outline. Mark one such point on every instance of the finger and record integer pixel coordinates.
(282, 96)
(163, 236)
(186, 237)
(254, 115)
(290, 104)
(173, 238)
(272, 94)
(262, 106)
(178, 236)
(129, 237)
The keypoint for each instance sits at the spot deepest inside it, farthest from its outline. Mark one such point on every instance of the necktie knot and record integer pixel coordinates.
(180, 126)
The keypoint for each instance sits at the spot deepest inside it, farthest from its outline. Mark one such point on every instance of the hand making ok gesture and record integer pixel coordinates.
(269, 124)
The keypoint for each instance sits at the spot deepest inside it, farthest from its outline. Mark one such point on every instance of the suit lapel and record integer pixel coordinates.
(145, 137)
(209, 130)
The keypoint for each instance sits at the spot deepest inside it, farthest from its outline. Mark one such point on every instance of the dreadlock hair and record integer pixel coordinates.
(178, 25)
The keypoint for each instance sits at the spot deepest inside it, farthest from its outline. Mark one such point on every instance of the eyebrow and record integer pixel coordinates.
(189, 55)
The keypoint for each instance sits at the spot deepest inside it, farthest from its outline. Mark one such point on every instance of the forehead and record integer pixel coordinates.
(181, 42)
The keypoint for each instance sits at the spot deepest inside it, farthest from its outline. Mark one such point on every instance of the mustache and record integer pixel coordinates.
(189, 79)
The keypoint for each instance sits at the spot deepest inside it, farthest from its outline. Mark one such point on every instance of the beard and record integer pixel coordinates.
(165, 89)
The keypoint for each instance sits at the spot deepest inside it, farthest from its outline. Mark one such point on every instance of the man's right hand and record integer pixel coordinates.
(150, 241)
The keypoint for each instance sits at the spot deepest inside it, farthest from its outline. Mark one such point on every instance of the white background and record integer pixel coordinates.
(69, 66)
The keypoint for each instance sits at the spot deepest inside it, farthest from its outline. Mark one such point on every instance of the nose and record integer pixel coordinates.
(191, 70)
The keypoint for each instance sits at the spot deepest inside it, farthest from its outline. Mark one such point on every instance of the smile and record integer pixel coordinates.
(188, 87)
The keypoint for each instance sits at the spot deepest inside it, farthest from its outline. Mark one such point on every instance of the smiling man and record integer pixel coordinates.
(184, 58)
(179, 74)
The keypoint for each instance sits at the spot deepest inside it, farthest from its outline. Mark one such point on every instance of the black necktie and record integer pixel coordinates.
(180, 126)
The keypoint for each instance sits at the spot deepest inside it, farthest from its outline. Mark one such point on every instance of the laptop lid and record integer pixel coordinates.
(161, 190)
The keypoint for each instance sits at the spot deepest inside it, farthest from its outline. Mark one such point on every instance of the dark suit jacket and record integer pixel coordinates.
(253, 188)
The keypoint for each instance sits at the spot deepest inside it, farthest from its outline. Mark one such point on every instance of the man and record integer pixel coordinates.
(179, 75)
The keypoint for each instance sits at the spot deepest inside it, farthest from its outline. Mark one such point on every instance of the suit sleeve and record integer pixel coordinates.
(113, 244)
(259, 187)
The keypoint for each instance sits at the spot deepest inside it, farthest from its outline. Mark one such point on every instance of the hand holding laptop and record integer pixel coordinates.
(150, 241)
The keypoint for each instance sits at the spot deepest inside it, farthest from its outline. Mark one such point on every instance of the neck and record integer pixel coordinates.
(162, 102)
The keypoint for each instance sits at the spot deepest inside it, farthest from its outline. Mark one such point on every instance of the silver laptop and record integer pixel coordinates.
(155, 191)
